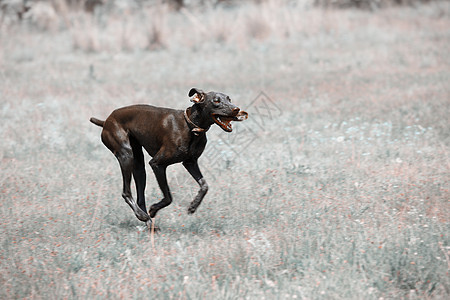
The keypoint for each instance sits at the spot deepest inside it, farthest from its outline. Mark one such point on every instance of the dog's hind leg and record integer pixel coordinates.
(125, 158)
(139, 174)
(194, 170)
(119, 144)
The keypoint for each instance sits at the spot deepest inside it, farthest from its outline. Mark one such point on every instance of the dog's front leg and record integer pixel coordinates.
(160, 173)
(194, 170)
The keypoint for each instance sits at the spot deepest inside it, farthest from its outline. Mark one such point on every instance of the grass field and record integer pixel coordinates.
(337, 187)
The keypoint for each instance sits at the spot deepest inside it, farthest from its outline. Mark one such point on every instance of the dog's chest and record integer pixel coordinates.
(195, 147)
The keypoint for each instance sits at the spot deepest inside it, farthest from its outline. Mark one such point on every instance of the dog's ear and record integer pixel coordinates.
(199, 95)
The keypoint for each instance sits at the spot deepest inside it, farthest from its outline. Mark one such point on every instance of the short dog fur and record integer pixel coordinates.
(169, 136)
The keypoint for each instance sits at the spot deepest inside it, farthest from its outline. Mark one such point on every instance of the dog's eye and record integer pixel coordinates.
(217, 100)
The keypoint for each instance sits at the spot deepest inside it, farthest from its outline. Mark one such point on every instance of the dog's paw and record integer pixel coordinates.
(191, 210)
(142, 216)
(152, 211)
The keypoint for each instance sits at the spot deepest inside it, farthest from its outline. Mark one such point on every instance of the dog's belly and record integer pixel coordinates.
(175, 152)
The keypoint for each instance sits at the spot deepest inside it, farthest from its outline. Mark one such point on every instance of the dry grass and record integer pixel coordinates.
(342, 193)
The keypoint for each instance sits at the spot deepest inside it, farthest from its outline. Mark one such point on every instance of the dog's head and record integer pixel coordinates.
(219, 108)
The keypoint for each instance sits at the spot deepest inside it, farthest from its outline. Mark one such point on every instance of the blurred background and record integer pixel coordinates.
(336, 187)
(100, 25)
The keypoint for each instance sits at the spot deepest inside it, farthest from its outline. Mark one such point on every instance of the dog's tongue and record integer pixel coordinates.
(226, 122)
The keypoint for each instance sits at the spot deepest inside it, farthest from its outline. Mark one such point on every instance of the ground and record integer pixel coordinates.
(337, 186)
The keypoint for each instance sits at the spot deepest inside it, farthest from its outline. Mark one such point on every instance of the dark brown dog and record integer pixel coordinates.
(169, 136)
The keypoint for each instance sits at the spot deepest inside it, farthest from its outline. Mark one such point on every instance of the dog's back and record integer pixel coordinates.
(147, 125)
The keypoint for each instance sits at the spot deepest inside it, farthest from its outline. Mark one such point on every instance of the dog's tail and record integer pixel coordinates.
(97, 121)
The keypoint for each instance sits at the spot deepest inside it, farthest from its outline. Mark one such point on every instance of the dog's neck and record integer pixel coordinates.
(198, 122)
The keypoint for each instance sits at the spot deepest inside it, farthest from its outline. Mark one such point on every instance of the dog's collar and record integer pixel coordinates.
(196, 130)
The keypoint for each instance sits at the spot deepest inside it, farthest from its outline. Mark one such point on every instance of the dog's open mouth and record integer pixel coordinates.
(225, 121)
